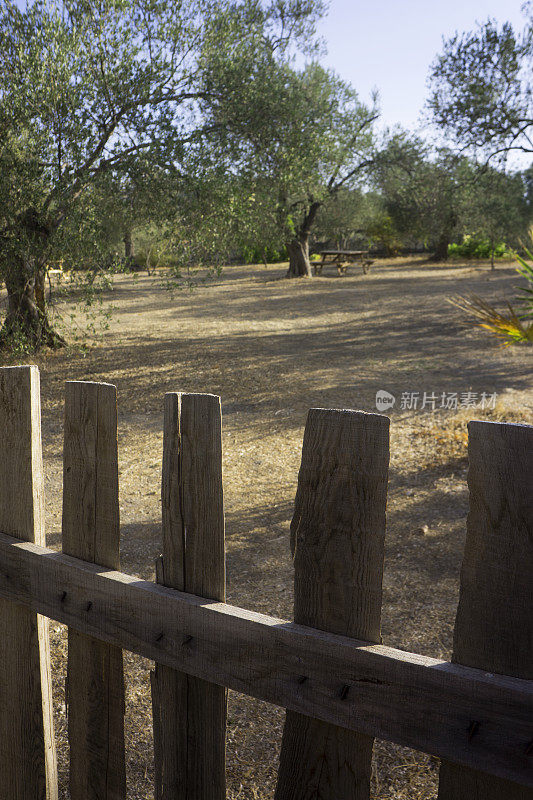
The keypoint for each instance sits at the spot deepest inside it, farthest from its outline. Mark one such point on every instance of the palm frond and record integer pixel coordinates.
(509, 327)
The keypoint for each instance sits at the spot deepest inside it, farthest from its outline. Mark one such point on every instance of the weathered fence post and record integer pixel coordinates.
(27, 748)
(91, 531)
(494, 624)
(337, 539)
(189, 713)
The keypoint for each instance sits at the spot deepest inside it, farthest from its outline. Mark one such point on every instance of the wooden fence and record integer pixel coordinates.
(340, 686)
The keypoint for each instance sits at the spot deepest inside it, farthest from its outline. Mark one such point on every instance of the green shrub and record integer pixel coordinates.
(382, 233)
(477, 246)
(258, 255)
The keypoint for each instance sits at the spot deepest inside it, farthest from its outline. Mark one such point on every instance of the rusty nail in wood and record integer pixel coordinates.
(344, 692)
(89, 606)
(472, 730)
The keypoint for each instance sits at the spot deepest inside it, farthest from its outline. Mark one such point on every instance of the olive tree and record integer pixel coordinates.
(87, 87)
(302, 136)
(497, 207)
(482, 88)
(328, 146)
(423, 191)
(437, 196)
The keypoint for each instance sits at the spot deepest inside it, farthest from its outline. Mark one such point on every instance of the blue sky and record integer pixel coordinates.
(389, 45)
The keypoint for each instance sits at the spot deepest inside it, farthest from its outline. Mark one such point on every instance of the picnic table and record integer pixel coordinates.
(342, 260)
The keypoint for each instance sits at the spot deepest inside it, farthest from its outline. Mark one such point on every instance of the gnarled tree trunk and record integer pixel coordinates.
(299, 264)
(298, 246)
(26, 321)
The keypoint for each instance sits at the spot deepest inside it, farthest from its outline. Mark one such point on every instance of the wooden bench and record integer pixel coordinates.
(342, 259)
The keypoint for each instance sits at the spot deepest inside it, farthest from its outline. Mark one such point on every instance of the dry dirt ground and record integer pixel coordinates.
(273, 348)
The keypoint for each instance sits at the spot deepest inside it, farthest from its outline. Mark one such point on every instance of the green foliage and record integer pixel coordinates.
(77, 305)
(341, 218)
(301, 137)
(435, 197)
(494, 205)
(478, 246)
(482, 88)
(382, 233)
(20, 346)
(423, 191)
(268, 255)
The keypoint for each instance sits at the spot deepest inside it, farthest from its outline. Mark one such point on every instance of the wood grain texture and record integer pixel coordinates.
(494, 624)
(91, 531)
(27, 748)
(337, 539)
(189, 713)
(413, 700)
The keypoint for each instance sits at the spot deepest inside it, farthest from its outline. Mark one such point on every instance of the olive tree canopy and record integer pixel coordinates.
(482, 88)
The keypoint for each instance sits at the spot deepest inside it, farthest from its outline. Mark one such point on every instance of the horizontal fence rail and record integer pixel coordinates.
(341, 687)
(414, 700)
